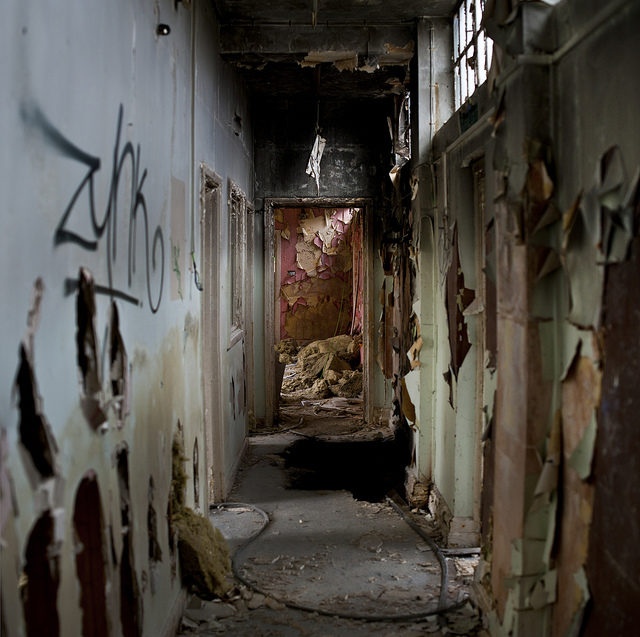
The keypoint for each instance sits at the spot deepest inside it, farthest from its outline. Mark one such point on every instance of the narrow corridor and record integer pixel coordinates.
(273, 263)
(299, 544)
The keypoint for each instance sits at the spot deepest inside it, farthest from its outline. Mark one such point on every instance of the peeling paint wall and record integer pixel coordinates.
(556, 138)
(102, 333)
(320, 253)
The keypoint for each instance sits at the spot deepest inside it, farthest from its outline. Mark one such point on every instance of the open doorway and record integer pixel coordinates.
(318, 307)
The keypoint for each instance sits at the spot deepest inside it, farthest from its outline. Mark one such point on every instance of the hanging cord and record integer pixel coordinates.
(442, 608)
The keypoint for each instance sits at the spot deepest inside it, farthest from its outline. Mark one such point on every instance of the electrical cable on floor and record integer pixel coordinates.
(441, 609)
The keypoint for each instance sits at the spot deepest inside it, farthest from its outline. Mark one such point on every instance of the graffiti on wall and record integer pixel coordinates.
(125, 161)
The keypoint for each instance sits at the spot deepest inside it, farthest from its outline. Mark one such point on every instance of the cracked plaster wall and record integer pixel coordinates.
(83, 94)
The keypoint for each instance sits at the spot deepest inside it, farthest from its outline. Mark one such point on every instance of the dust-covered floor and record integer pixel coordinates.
(316, 553)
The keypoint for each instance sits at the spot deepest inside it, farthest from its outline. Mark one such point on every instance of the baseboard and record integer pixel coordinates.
(231, 477)
(173, 621)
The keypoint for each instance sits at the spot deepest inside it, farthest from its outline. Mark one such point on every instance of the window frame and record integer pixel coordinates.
(472, 50)
(237, 207)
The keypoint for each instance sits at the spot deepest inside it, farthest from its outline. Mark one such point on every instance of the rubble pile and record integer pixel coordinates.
(322, 369)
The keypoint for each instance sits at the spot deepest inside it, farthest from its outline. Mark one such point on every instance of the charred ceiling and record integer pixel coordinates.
(338, 49)
(333, 12)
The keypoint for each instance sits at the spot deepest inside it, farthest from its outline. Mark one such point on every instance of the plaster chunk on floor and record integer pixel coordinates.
(323, 368)
(287, 350)
(350, 385)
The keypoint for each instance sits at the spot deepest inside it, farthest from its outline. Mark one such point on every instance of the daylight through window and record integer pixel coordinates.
(472, 50)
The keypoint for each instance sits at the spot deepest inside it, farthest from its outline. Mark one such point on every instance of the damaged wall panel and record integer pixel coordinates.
(317, 255)
(99, 189)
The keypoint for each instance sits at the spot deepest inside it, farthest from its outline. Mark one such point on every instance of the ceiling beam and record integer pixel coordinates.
(394, 43)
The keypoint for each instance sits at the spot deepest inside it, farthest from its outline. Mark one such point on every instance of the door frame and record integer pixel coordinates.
(212, 411)
(271, 294)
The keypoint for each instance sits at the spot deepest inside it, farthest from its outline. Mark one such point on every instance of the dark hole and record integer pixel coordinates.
(155, 552)
(87, 521)
(41, 590)
(368, 469)
(130, 607)
(123, 484)
(33, 430)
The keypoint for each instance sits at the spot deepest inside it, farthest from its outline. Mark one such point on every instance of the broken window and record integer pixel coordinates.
(472, 50)
(237, 253)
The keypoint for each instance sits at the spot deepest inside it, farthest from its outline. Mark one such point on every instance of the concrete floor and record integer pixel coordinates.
(325, 550)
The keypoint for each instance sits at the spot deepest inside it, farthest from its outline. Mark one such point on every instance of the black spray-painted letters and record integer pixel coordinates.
(137, 207)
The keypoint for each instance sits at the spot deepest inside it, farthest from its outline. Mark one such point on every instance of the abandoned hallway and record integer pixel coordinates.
(344, 289)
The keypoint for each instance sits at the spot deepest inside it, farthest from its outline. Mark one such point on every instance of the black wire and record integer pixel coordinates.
(440, 610)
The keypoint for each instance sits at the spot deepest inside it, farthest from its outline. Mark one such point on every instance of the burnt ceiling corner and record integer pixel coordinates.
(337, 49)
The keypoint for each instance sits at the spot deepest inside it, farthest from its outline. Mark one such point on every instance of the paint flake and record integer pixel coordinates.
(308, 258)
(582, 457)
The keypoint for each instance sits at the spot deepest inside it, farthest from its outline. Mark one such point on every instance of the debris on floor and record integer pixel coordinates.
(326, 551)
(287, 350)
(322, 368)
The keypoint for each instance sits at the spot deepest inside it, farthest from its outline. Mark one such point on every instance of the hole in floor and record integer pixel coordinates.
(368, 469)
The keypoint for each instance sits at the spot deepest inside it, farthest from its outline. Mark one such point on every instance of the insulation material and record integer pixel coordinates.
(204, 555)
(317, 286)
